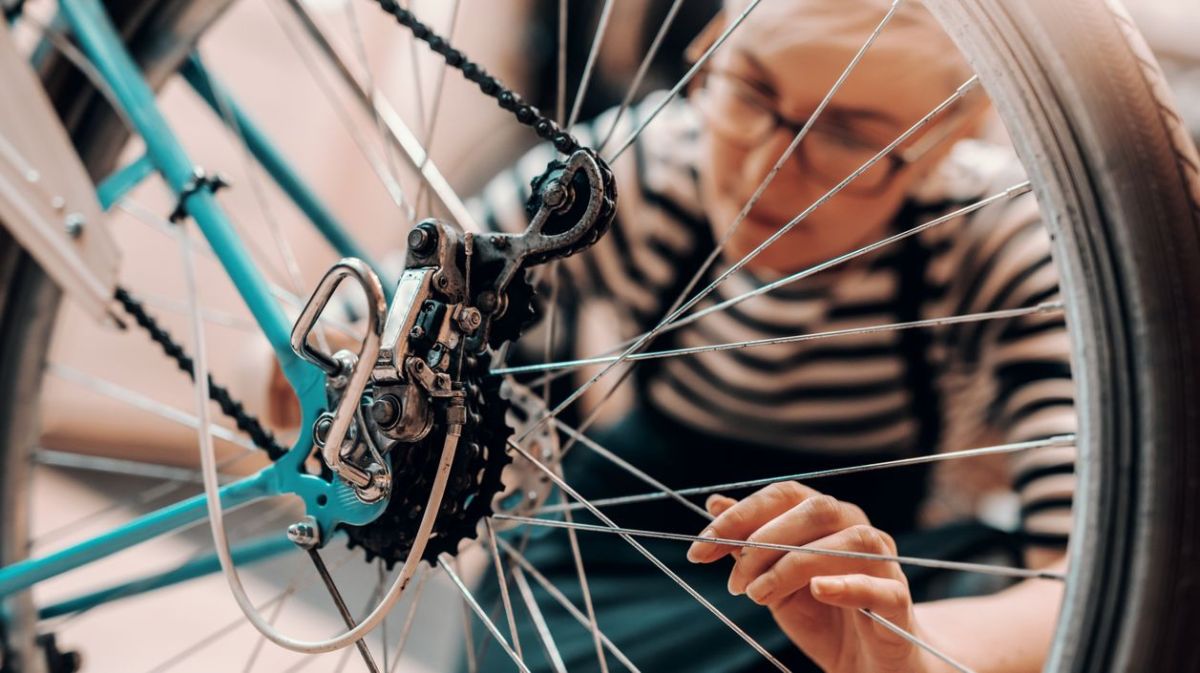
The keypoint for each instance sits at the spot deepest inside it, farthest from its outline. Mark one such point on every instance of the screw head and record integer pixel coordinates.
(554, 194)
(416, 332)
(385, 411)
(321, 430)
(74, 225)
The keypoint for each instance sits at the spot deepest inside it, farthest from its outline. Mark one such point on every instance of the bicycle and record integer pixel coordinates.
(1114, 173)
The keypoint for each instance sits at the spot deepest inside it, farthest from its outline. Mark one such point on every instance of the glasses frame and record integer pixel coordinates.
(952, 121)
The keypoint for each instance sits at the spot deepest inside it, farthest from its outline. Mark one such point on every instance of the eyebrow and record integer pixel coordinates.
(763, 80)
(762, 77)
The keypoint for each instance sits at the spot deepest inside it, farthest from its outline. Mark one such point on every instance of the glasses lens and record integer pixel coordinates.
(831, 157)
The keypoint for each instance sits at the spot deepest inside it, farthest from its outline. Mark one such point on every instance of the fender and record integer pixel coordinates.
(47, 201)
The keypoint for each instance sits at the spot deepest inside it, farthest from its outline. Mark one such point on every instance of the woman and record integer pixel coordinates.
(721, 417)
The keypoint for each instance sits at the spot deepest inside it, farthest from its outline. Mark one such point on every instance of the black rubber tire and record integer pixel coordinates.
(29, 301)
(1119, 182)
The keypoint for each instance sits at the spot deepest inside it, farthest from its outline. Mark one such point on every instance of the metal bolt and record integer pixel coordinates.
(500, 241)
(554, 195)
(305, 533)
(321, 430)
(469, 320)
(385, 411)
(416, 332)
(420, 240)
(58, 203)
(74, 225)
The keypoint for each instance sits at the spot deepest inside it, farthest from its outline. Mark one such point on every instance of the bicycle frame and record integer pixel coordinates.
(328, 503)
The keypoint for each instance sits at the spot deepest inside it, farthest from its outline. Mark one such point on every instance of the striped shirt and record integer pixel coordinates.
(894, 392)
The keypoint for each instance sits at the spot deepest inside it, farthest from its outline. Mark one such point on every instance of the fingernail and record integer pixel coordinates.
(694, 552)
(829, 586)
(760, 590)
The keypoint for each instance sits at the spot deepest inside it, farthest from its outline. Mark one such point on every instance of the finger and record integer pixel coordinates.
(747, 516)
(885, 596)
(814, 518)
(717, 504)
(796, 569)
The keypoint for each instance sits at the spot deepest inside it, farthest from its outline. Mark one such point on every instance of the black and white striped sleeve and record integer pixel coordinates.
(1028, 359)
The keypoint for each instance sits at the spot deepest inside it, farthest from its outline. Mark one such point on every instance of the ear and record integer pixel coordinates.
(706, 38)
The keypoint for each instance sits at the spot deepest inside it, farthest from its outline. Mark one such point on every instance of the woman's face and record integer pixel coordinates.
(764, 63)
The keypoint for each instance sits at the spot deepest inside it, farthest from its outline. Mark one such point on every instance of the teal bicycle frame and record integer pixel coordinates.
(330, 503)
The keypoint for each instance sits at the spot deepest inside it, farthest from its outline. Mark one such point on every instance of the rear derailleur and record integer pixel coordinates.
(421, 374)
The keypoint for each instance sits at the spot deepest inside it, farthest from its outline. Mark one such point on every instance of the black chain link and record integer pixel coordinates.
(525, 113)
(260, 436)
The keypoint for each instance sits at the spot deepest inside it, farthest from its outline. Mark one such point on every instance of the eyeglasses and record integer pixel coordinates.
(746, 117)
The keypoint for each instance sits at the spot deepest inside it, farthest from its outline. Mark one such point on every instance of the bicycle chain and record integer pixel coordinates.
(231, 407)
(525, 113)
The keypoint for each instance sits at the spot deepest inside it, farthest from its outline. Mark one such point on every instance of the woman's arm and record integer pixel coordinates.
(1006, 632)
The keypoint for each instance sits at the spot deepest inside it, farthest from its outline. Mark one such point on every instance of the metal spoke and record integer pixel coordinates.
(176, 480)
(294, 275)
(557, 595)
(469, 598)
(211, 316)
(982, 568)
(401, 135)
(1003, 314)
(999, 449)
(295, 584)
(383, 634)
(500, 578)
(390, 185)
(585, 589)
(344, 611)
(684, 81)
(138, 401)
(961, 91)
(562, 484)
(131, 206)
(469, 638)
(664, 490)
(432, 119)
(1010, 193)
(560, 106)
(131, 468)
(539, 621)
(916, 641)
(593, 53)
(638, 76)
(409, 619)
(262, 640)
(388, 150)
(159, 223)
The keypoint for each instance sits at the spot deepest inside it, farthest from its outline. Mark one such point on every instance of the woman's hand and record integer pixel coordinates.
(815, 598)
